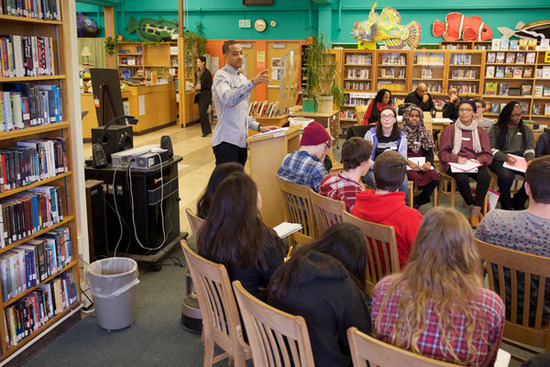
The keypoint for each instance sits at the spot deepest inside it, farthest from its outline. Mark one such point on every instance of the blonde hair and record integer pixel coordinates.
(443, 260)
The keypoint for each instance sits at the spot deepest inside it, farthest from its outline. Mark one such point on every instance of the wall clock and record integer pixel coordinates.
(260, 25)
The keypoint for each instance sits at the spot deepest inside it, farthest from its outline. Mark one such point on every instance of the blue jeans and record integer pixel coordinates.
(369, 180)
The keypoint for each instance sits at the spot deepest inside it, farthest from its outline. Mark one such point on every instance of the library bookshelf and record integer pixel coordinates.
(358, 73)
(39, 257)
(137, 60)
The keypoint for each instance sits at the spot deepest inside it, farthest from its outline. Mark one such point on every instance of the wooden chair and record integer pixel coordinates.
(276, 337)
(360, 112)
(509, 272)
(298, 209)
(447, 187)
(220, 315)
(327, 211)
(382, 255)
(194, 222)
(415, 190)
(365, 349)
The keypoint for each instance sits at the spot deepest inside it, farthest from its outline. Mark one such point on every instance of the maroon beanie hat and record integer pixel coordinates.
(314, 134)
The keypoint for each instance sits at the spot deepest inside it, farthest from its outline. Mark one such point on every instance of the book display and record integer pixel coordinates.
(357, 76)
(541, 97)
(429, 68)
(147, 62)
(39, 272)
(392, 71)
(465, 73)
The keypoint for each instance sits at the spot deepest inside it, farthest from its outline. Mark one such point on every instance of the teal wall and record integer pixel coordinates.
(298, 19)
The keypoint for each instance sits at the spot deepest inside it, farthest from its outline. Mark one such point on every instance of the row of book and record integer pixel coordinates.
(506, 44)
(432, 87)
(511, 57)
(348, 85)
(38, 9)
(28, 265)
(537, 109)
(263, 109)
(543, 72)
(359, 59)
(390, 73)
(504, 89)
(508, 72)
(464, 88)
(24, 214)
(461, 59)
(38, 307)
(130, 60)
(26, 56)
(31, 161)
(496, 107)
(358, 73)
(464, 74)
(23, 105)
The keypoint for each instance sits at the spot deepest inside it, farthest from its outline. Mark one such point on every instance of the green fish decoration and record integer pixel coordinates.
(152, 30)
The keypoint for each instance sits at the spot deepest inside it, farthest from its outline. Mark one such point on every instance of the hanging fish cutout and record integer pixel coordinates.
(457, 26)
(385, 27)
(152, 30)
(538, 30)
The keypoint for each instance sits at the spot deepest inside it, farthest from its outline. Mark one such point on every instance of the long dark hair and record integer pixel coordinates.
(344, 242)
(502, 124)
(233, 232)
(395, 132)
(218, 175)
(380, 96)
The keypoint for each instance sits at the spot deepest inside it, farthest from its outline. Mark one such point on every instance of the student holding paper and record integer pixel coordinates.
(420, 146)
(512, 143)
(465, 142)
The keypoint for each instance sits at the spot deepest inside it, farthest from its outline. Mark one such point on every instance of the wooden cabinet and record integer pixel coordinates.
(429, 67)
(392, 71)
(358, 72)
(465, 45)
(39, 257)
(465, 73)
(138, 60)
(540, 105)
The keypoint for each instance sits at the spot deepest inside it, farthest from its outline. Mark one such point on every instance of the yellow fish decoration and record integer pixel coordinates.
(386, 28)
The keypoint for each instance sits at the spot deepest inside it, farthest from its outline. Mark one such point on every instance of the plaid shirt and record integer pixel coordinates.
(487, 336)
(341, 188)
(302, 168)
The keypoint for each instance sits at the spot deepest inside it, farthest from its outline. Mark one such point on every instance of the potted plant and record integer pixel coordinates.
(323, 88)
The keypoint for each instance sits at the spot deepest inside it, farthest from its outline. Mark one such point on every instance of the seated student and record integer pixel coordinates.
(527, 230)
(385, 205)
(543, 145)
(462, 142)
(450, 110)
(510, 136)
(437, 307)
(386, 135)
(481, 120)
(345, 185)
(218, 175)
(324, 283)
(419, 144)
(421, 98)
(305, 165)
(243, 243)
(382, 100)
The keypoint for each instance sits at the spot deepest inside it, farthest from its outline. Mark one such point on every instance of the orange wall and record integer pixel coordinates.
(214, 48)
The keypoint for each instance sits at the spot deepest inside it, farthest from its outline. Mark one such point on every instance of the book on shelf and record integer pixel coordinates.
(524, 107)
(520, 58)
(510, 58)
(538, 90)
(532, 44)
(503, 90)
(491, 57)
(528, 72)
(530, 58)
(547, 109)
(495, 108)
(514, 91)
(544, 44)
(508, 71)
(491, 88)
(502, 105)
(514, 45)
(501, 56)
(495, 44)
(526, 89)
(499, 73)
(504, 44)
(536, 109)
(518, 71)
(545, 72)
(523, 44)
(490, 72)
(546, 91)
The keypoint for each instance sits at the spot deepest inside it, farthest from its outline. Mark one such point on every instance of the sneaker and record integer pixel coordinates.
(474, 221)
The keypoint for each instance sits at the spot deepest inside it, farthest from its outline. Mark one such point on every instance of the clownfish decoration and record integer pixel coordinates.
(457, 26)
(385, 27)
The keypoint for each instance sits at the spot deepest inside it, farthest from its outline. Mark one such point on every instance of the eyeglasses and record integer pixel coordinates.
(465, 110)
(516, 114)
(327, 145)
(387, 117)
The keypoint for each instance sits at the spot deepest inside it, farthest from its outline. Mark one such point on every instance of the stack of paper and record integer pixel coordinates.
(285, 229)
(468, 167)
(520, 165)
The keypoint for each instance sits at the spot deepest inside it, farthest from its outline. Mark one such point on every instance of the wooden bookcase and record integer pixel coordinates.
(465, 73)
(430, 67)
(541, 101)
(392, 72)
(139, 59)
(28, 225)
(358, 70)
(465, 45)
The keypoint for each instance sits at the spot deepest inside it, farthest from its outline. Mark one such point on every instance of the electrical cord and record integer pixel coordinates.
(117, 213)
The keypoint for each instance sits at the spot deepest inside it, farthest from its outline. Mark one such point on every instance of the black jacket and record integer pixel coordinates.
(206, 86)
(331, 303)
(450, 110)
(417, 100)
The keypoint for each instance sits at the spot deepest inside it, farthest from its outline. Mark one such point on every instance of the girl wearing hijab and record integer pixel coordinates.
(419, 144)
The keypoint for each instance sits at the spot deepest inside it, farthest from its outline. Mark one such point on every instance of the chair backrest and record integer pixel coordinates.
(298, 209)
(194, 222)
(366, 348)
(220, 315)
(360, 112)
(522, 281)
(276, 337)
(382, 255)
(327, 211)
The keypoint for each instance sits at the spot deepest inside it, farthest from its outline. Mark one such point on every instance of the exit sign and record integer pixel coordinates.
(244, 23)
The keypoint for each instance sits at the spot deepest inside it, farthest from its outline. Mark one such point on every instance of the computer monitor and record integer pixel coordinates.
(107, 95)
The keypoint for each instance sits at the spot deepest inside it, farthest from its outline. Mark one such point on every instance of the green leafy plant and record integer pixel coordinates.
(195, 43)
(110, 45)
(322, 72)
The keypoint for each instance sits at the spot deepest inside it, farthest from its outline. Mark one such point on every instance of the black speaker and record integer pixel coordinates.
(115, 139)
(166, 143)
(97, 226)
(99, 159)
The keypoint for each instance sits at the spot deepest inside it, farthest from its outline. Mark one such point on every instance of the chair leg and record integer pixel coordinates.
(453, 193)
(208, 350)
(436, 197)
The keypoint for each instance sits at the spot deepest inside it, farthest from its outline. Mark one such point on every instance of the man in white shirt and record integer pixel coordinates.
(230, 91)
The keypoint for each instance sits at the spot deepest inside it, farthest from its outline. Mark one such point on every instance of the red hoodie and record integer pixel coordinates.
(390, 209)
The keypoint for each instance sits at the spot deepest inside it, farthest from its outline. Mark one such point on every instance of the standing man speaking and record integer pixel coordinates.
(231, 90)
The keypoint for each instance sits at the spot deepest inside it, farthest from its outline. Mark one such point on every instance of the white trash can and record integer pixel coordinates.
(113, 282)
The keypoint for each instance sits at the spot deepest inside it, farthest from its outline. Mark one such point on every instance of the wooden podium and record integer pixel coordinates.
(265, 157)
